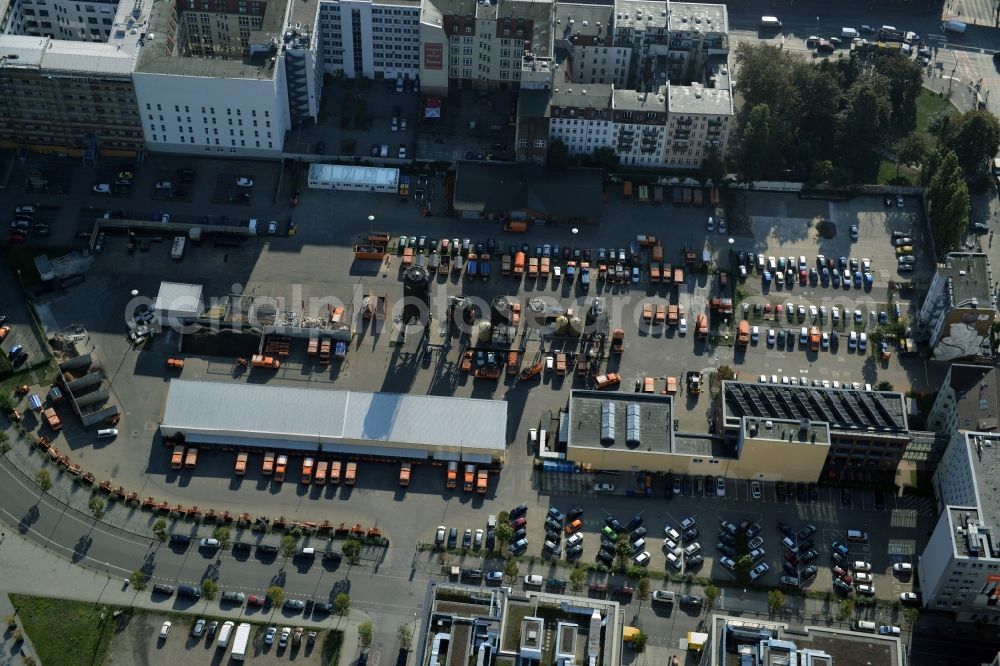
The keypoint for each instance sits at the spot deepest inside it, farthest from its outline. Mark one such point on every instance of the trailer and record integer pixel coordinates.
(191, 458)
(241, 463)
(240, 642)
(307, 470)
(321, 469)
(335, 472)
(350, 474)
(177, 457)
(268, 466)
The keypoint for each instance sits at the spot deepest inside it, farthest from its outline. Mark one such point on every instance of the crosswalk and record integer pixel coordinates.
(924, 506)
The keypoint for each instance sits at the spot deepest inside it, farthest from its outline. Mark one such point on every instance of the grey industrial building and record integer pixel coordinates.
(349, 423)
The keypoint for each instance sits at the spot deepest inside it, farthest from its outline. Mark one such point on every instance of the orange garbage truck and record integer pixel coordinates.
(241, 463)
(470, 476)
(351, 474)
(452, 474)
(482, 481)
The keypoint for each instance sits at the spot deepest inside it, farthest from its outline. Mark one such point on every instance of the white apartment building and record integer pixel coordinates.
(701, 120)
(959, 570)
(89, 21)
(580, 117)
(241, 101)
(374, 39)
(585, 33)
(640, 127)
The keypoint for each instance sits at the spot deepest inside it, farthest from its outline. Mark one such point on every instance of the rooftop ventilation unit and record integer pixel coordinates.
(607, 422)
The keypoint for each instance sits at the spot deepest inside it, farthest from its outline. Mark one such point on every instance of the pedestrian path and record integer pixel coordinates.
(924, 506)
(14, 651)
(972, 12)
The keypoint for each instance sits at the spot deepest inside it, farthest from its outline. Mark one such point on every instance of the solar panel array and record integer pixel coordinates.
(844, 409)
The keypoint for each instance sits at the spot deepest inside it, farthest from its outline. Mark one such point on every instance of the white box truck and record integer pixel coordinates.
(224, 632)
(770, 22)
(241, 641)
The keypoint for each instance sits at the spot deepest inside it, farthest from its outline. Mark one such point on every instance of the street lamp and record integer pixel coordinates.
(371, 222)
(575, 232)
(732, 241)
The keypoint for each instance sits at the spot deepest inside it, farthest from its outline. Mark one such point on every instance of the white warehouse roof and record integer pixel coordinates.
(323, 175)
(298, 418)
(179, 299)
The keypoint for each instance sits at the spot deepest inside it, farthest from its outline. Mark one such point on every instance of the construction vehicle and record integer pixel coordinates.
(743, 334)
(321, 469)
(175, 363)
(515, 226)
(241, 463)
(608, 380)
(519, 264)
(489, 372)
(561, 364)
(694, 382)
(404, 474)
(261, 361)
(324, 352)
(470, 477)
(452, 481)
(647, 312)
(512, 362)
(617, 341)
(351, 473)
(177, 457)
(814, 338)
(313, 348)
(335, 472)
(466, 362)
(279, 468)
(52, 419)
(191, 458)
(701, 327)
(672, 315)
(661, 315)
(268, 467)
(307, 470)
(533, 267)
(531, 371)
(482, 481)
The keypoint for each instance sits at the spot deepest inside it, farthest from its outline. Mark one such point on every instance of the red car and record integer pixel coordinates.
(791, 558)
(519, 523)
(16, 237)
(803, 277)
(254, 600)
(843, 575)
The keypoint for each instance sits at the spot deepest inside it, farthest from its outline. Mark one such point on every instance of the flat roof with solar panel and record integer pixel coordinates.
(878, 412)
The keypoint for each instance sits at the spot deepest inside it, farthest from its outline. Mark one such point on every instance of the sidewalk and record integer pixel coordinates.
(31, 569)
(14, 651)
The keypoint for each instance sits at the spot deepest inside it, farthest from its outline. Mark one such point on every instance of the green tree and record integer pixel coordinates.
(223, 535)
(862, 123)
(844, 609)
(510, 570)
(503, 534)
(576, 578)
(743, 566)
(975, 138)
(642, 591)
(289, 544)
(775, 601)
(711, 594)
(7, 403)
(43, 479)
(558, 155)
(4, 443)
(884, 386)
(910, 615)
(366, 631)
(352, 550)
(160, 529)
(137, 579)
(913, 149)
(949, 205)
(905, 78)
(712, 166)
(606, 158)
(276, 594)
(725, 372)
(342, 602)
(639, 641)
(821, 171)
(209, 588)
(405, 635)
(622, 551)
(759, 155)
(96, 506)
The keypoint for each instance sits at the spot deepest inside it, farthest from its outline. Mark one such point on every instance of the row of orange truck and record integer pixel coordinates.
(313, 471)
(478, 479)
(665, 273)
(181, 458)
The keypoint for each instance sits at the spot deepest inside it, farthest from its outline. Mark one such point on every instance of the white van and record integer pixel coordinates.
(308, 552)
(848, 33)
(227, 628)
(107, 432)
(770, 22)
(865, 625)
(384, 152)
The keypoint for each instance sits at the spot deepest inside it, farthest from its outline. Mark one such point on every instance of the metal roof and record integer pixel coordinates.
(178, 297)
(352, 175)
(262, 412)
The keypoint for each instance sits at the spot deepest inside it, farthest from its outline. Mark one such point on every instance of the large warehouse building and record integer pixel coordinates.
(349, 423)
